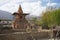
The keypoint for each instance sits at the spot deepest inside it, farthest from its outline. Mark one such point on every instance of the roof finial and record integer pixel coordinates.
(20, 10)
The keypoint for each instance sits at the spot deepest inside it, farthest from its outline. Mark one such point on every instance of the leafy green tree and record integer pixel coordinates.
(57, 16)
(51, 17)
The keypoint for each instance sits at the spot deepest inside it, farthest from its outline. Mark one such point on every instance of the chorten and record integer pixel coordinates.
(20, 21)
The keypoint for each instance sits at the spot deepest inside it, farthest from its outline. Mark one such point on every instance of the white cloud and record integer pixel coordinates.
(2, 2)
(27, 0)
(30, 6)
(34, 8)
(51, 4)
(46, 0)
(11, 6)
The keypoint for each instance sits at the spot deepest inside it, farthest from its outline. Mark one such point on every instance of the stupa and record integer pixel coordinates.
(20, 21)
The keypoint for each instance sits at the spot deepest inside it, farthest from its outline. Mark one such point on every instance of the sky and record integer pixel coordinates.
(33, 7)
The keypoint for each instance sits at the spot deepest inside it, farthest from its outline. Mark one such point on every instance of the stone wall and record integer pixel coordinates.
(24, 36)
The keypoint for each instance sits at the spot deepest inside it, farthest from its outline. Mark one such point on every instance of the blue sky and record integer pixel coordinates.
(34, 7)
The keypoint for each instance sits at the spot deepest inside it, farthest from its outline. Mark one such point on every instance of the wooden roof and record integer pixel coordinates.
(20, 11)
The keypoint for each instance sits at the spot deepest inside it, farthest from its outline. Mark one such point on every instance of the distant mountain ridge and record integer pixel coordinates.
(6, 15)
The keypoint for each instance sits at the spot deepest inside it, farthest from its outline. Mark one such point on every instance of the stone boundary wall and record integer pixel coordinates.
(25, 36)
